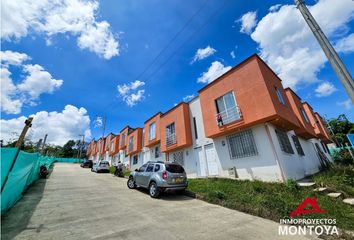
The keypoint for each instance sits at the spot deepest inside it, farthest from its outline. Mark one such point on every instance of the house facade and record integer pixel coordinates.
(243, 125)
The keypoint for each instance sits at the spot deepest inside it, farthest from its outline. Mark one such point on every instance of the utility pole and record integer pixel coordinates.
(28, 124)
(43, 144)
(104, 125)
(39, 144)
(82, 144)
(336, 63)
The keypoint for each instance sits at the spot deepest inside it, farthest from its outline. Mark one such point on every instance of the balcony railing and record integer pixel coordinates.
(171, 139)
(228, 116)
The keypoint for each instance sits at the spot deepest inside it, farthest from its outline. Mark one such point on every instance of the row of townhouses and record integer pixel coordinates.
(242, 125)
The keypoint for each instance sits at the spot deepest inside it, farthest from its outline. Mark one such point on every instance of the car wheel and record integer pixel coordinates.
(91, 169)
(131, 184)
(154, 190)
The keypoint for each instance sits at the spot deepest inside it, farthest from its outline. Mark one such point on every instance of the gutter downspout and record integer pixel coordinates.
(275, 153)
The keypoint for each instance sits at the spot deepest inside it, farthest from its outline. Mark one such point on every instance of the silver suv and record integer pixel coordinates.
(159, 177)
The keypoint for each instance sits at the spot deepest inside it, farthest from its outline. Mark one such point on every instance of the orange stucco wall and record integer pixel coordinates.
(152, 142)
(125, 131)
(323, 133)
(252, 83)
(306, 129)
(180, 116)
(115, 142)
(137, 143)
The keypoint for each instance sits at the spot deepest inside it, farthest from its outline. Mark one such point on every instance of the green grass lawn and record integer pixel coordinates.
(269, 200)
(339, 178)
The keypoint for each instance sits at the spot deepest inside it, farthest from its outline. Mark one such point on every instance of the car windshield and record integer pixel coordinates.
(104, 163)
(174, 168)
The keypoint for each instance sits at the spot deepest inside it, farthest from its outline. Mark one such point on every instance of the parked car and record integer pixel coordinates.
(87, 164)
(100, 166)
(159, 177)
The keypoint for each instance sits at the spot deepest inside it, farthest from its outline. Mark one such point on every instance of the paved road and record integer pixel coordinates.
(75, 203)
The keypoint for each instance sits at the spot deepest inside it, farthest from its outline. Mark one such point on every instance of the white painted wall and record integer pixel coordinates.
(138, 164)
(262, 166)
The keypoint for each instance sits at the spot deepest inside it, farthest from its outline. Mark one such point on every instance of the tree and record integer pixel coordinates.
(340, 127)
(68, 149)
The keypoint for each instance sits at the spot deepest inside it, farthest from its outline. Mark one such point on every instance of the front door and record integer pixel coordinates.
(200, 162)
(211, 160)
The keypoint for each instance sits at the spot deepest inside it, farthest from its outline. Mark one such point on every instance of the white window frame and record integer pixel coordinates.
(152, 131)
(229, 114)
(280, 95)
(304, 115)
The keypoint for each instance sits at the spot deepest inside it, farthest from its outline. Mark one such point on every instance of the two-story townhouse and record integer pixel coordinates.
(123, 142)
(152, 149)
(107, 145)
(114, 150)
(134, 147)
(175, 133)
(250, 127)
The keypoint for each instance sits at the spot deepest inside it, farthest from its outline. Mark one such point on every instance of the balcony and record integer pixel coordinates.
(229, 115)
(171, 139)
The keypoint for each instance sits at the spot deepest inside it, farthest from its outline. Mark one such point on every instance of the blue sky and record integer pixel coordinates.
(142, 29)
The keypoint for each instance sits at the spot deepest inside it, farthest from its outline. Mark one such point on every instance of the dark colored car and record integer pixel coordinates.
(87, 164)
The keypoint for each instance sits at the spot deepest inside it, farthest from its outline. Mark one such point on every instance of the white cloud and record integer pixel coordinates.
(274, 8)
(188, 98)
(36, 82)
(60, 126)
(128, 93)
(347, 104)
(133, 98)
(13, 58)
(98, 122)
(76, 17)
(289, 47)
(232, 54)
(215, 70)
(325, 89)
(346, 45)
(203, 53)
(9, 102)
(248, 22)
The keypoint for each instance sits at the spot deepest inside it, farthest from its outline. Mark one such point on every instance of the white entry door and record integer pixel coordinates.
(200, 162)
(211, 160)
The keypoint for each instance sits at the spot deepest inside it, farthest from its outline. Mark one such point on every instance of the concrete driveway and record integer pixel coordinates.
(75, 203)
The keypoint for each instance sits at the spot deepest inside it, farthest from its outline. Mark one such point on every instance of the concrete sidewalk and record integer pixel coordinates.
(75, 203)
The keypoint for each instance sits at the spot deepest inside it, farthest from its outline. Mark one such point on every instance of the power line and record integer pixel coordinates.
(187, 40)
(173, 39)
(216, 12)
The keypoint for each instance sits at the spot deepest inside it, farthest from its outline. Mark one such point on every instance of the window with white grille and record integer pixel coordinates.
(242, 145)
(178, 157)
(171, 134)
(284, 141)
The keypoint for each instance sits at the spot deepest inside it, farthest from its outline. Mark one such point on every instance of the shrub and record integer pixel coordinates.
(112, 169)
(342, 157)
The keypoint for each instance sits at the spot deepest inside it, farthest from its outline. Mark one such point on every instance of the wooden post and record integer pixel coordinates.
(28, 124)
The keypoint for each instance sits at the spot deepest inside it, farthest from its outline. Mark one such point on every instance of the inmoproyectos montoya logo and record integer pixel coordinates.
(298, 224)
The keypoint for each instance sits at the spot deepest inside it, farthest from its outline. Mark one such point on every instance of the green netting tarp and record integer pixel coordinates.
(8, 154)
(24, 173)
